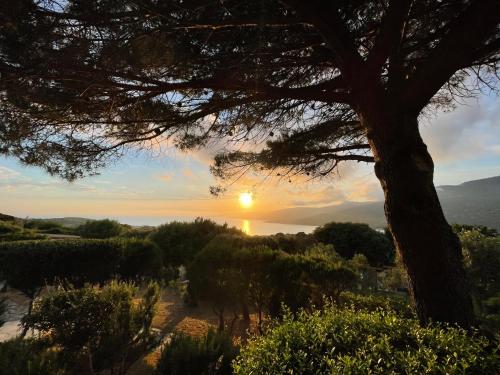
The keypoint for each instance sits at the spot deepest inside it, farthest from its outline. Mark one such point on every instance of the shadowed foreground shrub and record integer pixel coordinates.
(27, 357)
(105, 329)
(359, 342)
(186, 355)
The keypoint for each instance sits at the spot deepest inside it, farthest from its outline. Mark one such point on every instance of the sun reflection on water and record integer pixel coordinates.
(245, 227)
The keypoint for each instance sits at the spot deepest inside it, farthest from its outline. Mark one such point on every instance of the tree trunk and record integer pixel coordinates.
(245, 312)
(32, 297)
(430, 250)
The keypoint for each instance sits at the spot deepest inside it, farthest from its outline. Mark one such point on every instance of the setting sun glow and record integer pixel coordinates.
(246, 200)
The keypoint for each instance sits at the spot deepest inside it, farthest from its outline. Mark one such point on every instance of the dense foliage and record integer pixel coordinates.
(211, 354)
(351, 238)
(482, 263)
(100, 229)
(181, 241)
(30, 265)
(341, 342)
(28, 357)
(232, 277)
(103, 325)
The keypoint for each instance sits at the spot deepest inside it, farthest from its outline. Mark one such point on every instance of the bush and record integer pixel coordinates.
(181, 241)
(29, 265)
(27, 357)
(185, 355)
(105, 327)
(141, 258)
(100, 229)
(351, 238)
(355, 342)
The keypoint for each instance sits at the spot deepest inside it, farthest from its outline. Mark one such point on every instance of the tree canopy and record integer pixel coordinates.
(82, 80)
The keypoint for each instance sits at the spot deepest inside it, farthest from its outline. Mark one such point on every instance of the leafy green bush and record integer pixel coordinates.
(351, 238)
(186, 355)
(100, 229)
(181, 241)
(356, 342)
(29, 265)
(104, 327)
(141, 258)
(28, 357)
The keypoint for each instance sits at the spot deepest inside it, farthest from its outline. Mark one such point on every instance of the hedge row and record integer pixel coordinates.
(28, 265)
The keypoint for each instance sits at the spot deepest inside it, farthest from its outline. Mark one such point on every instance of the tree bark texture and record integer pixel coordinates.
(430, 250)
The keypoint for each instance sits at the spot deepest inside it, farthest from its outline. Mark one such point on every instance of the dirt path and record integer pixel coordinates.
(174, 315)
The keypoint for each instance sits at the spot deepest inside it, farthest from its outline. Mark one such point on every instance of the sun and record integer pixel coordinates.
(246, 200)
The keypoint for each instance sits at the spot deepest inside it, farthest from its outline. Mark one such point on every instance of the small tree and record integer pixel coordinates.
(104, 325)
(255, 265)
(181, 241)
(213, 278)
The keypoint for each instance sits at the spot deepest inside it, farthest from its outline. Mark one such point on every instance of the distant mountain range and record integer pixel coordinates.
(474, 202)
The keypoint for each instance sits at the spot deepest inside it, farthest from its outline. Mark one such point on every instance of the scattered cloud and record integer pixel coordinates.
(463, 134)
(166, 177)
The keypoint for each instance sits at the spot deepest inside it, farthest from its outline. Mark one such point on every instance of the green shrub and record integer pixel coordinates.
(100, 229)
(141, 258)
(181, 241)
(357, 342)
(185, 355)
(29, 265)
(28, 357)
(105, 327)
(351, 238)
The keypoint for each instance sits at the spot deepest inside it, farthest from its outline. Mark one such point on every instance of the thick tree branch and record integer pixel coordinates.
(325, 16)
(455, 51)
(390, 36)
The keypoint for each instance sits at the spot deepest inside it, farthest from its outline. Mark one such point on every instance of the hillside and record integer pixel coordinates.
(473, 202)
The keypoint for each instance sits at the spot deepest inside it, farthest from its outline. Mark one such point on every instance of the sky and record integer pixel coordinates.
(464, 143)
